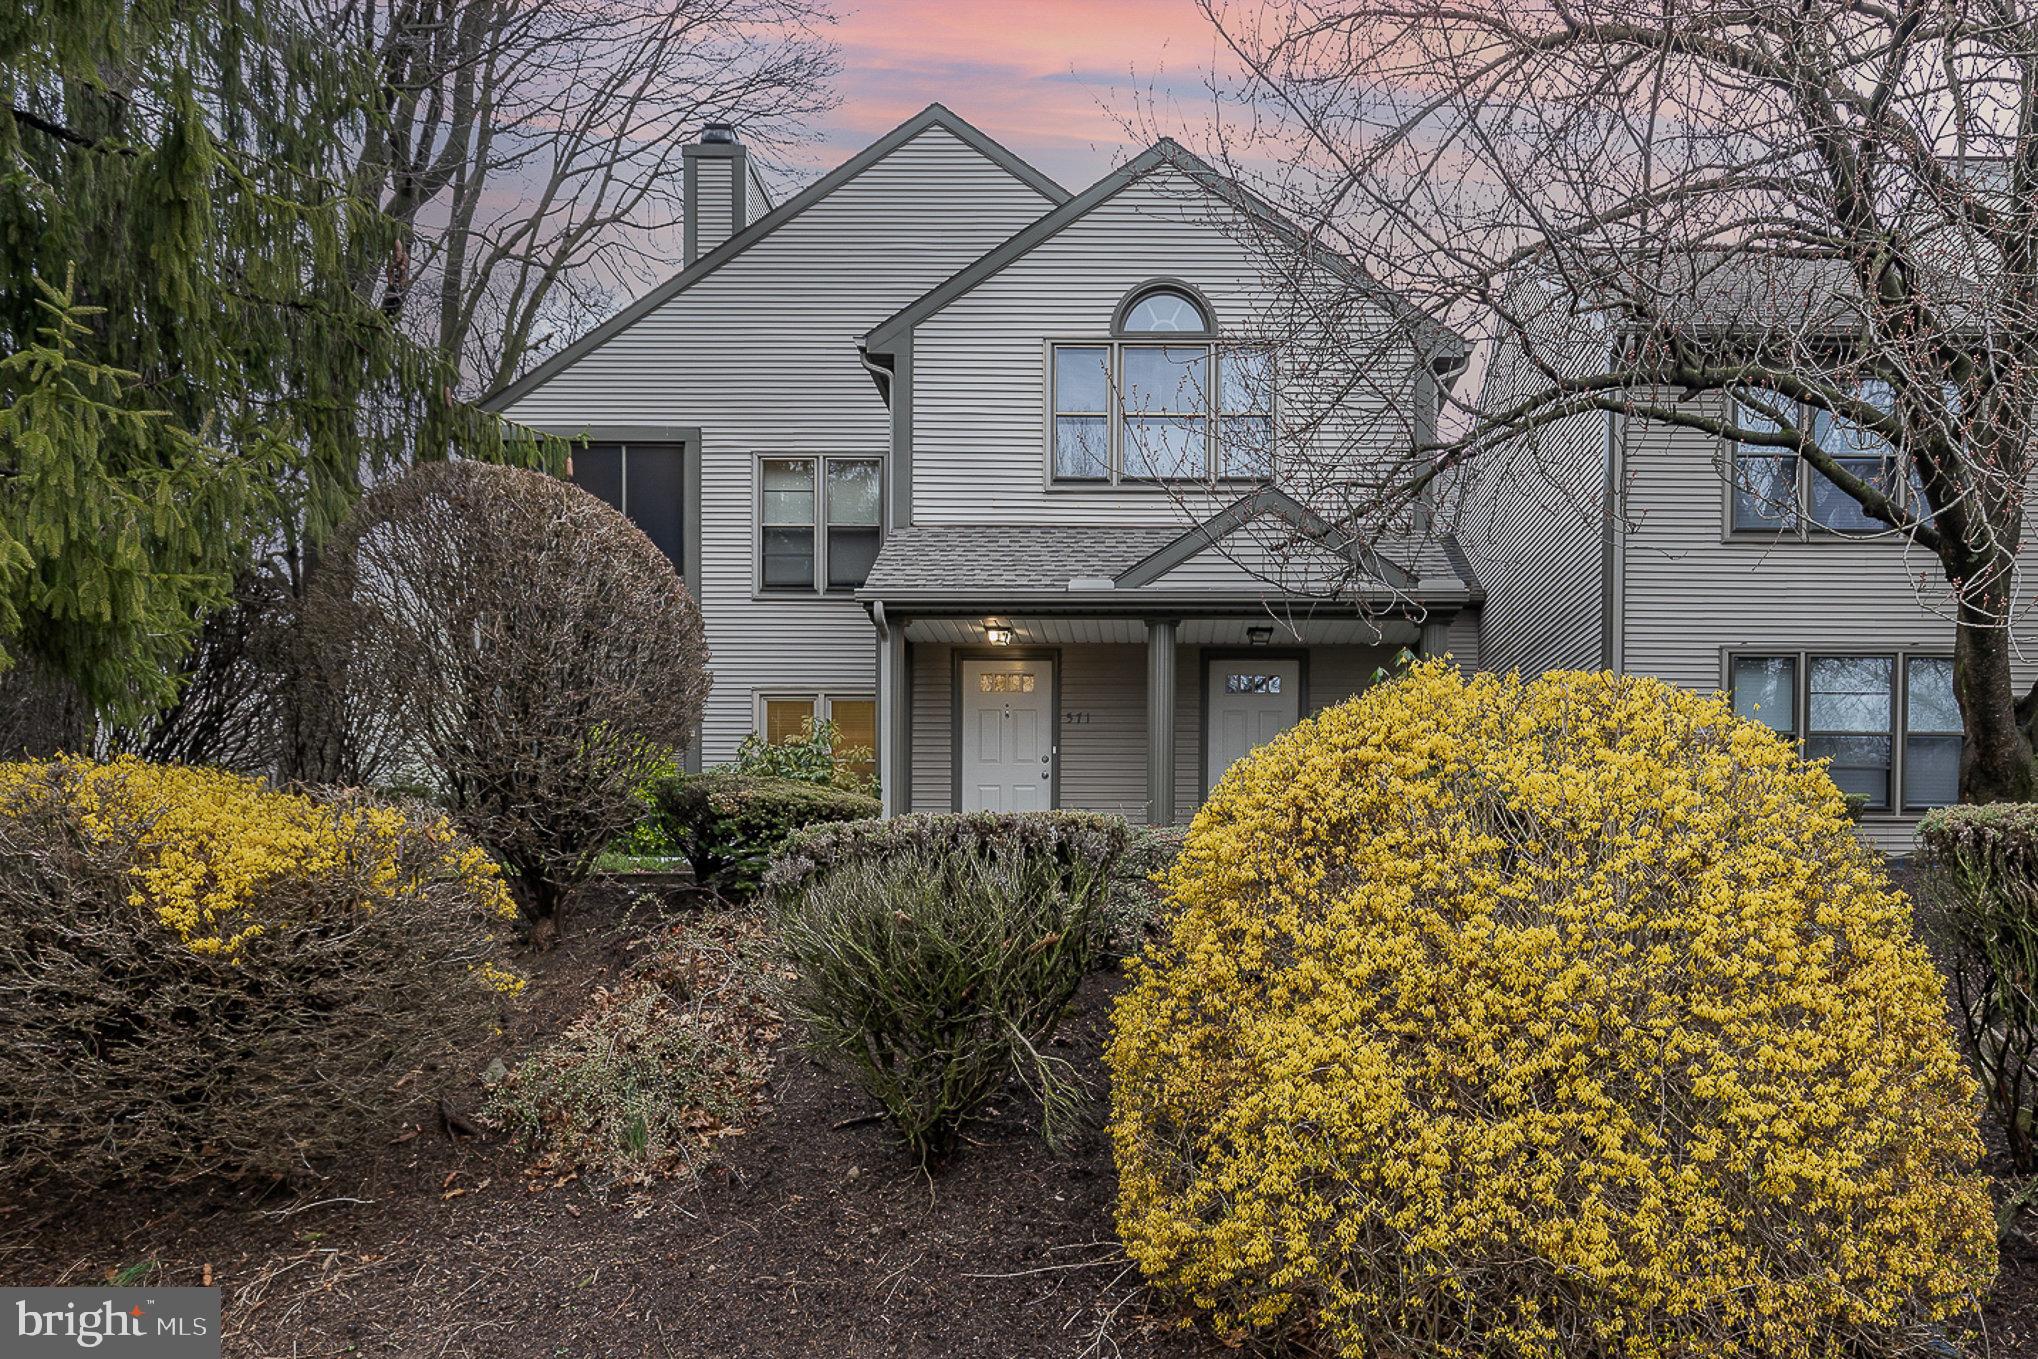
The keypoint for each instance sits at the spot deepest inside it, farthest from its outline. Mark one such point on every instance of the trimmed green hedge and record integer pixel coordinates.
(1978, 892)
(729, 825)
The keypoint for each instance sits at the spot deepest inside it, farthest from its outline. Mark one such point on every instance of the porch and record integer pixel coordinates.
(1134, 717)
(1116, 669)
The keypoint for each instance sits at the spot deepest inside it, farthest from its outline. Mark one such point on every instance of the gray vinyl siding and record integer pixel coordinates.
(1690, 594)
(1103, 760)
(980, 398)
(1533, 524)
(761, 354)
(715, 202)
(759, 200)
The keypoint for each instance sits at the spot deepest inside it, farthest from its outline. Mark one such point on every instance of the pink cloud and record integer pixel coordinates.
(1055, 80)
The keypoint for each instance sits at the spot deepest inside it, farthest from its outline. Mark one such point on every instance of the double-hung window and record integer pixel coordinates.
(1887, 724)
(820, 523)
(1162, 401)
(1773, 488)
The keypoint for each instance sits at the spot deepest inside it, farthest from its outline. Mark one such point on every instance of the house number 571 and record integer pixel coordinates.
(1075, 719)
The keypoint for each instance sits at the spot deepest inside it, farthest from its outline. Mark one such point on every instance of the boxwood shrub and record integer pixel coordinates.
(728, 825)
(1977, 879)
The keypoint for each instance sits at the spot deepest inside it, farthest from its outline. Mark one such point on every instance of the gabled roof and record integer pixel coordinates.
(1437, 338)
(1124, 566)
(934, 115)
(1279, 504)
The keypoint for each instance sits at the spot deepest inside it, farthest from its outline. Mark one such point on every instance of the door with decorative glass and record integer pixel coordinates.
(1252, 699)
(1007, 735)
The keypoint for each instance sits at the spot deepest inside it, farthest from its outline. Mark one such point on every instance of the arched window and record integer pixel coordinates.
(1164, 399)
(1164, 309)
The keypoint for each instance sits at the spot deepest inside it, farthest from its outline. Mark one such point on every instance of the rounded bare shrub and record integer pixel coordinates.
(201, 976)
(1552, 1018)
(516, 645)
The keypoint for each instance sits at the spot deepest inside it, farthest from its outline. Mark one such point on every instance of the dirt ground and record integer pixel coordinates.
(811, 1235)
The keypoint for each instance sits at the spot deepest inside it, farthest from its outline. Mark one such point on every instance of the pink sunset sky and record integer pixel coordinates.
(1055, 80)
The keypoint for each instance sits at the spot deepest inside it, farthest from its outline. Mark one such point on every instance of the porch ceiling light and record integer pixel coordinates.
(997, 634)
(1259, 636)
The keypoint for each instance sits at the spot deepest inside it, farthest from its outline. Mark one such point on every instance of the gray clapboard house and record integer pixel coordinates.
(984, 471)
(1652, 548)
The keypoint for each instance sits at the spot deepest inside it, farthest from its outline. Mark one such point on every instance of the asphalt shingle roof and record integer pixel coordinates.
(1010, 556)
(980, 559)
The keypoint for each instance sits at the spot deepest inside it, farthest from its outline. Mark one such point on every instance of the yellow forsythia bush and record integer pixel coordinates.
(199, 974)
(1555, 1018)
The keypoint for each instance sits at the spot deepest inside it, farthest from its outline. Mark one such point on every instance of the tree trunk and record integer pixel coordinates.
(1996, 762)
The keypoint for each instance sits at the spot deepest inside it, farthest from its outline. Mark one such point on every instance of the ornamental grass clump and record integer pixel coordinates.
(933, 956)
(1544, 1018)
(200, 975)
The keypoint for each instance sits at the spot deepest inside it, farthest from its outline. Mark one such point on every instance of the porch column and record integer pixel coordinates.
(1160, 722)
(894, 719)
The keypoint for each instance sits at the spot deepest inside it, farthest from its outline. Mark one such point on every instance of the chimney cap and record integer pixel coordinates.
(718, 134)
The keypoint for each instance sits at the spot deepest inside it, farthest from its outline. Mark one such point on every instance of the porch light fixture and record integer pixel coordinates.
(997, 634)
(1259, 636)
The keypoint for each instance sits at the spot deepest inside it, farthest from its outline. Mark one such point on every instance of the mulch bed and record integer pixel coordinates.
(811, 1235)
(804, 1238)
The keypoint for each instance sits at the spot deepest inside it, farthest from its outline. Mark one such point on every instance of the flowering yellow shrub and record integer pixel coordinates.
(1545, 1018)
(208, 849)
(202, 976)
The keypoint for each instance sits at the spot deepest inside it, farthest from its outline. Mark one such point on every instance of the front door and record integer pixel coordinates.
(1007, 735)
(1252, 700)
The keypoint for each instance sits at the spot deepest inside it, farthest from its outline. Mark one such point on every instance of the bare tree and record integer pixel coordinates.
(531, 149)
(520, 649)
(1762, 221)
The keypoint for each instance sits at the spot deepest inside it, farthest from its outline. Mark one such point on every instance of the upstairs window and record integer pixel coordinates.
(1164, 311)
(1773, 488)
(1161, 401)
(820, 523)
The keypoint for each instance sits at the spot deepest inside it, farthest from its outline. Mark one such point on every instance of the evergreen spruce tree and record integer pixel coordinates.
(192, 370)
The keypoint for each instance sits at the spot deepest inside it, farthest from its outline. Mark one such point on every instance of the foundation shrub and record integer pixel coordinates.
(932, 956)
(1978, 883)
(729, 825)
(1550, 1018)
(199, 975)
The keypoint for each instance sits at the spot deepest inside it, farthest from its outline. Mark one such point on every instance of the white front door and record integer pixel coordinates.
(1007, 735)
(1253, 699)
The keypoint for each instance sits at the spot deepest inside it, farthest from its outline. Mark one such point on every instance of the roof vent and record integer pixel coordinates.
(718, 134)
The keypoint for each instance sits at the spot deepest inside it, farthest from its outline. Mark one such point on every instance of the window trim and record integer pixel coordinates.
(821, 702)
(1900, 704)
(1117, 478)
(819, 589)
(1139, 291)
(1802, 527)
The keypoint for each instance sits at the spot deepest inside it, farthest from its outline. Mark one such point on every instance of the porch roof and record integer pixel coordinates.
(1129, 566)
